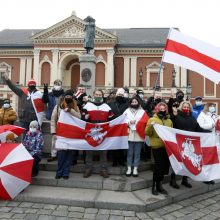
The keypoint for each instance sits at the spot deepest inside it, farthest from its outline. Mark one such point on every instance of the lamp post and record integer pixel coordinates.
(140, 77)
(188, 92)
(173, 78)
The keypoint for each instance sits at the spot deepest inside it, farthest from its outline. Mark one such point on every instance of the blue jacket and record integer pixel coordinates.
(197, 110)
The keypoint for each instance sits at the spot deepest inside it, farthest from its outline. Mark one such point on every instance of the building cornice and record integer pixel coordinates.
(17, 52)
(132, 51)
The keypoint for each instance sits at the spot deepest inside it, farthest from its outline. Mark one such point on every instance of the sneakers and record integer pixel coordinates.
(135, 172)
(104, 174)
(51, 159)
(128, 173)
(87, 174)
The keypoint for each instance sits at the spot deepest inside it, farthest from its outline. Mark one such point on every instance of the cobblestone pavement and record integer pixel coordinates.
(206, 206)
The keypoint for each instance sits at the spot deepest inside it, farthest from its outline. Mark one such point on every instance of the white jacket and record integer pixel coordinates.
(207, 121)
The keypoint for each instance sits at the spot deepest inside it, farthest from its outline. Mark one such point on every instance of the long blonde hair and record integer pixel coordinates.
(185, 102)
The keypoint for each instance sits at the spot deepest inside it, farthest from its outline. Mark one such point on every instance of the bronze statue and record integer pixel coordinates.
(89, 34)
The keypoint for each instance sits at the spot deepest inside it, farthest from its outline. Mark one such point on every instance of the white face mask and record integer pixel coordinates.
(198, 103)
(126, 95)
(6, 105)
(57, 87)
(141, 96)
(33, 130)
(212, 109)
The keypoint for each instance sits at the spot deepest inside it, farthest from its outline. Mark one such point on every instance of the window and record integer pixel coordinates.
(2, 82)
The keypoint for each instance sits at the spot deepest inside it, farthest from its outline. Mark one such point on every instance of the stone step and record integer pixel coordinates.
(80, 167)
(113, 183)
(139, 200)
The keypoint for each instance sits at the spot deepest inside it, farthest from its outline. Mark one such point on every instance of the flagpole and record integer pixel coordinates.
(161, 64)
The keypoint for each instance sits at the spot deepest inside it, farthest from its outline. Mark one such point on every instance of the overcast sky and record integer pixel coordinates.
(196, 18)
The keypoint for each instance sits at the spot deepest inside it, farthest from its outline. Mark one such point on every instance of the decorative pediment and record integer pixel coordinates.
(71, 30)
(153, 65)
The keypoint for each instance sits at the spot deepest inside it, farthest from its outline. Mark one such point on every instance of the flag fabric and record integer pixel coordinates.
(36, 98)
(193, 54)
(73, 133)
(191, 154)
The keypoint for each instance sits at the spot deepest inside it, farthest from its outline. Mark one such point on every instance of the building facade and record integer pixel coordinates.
(124, 57)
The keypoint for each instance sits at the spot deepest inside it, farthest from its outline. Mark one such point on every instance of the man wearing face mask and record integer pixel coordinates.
(198, 107)
(96, 111)
(140, 96)
(175, 101)
(7, 113)
(118, 107)
(30, 104)
(52, 98)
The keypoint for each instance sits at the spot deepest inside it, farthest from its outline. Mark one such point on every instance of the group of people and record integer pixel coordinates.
(177, 113)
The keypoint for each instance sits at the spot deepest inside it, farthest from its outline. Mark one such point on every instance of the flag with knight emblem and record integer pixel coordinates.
(191, 154)
(73, 133)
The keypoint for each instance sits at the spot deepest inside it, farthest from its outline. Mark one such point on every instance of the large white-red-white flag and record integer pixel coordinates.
(191, 154)
(193, 54)
(73, 133)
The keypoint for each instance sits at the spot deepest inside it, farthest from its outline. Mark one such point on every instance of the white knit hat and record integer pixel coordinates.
(34, 124)
(120, 91)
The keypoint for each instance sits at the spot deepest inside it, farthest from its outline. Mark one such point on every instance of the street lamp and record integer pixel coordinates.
(188, 92)
(140, 77)
(173, 78)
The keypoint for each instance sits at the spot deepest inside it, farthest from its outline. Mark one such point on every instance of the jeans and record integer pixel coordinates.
(64, 161)
(35, 169)
(103, 159)
(134, 153)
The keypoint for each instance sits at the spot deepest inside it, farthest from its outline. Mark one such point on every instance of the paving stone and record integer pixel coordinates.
(89, 216)
(169, 217)
(31, 211)
(46, 217)
(38, 206)
(177, 214)
(44, 211)
(49, 206)
(6, 214)
(102, 217)
(209, 217)
(142, 215)
(76, 209)
(116, 212)
(75, 214)
(5, 209)
(116, 217)
(91, 210)
(62, 207)
(128, 213)
(3, 203)
(131, 218)
(153, 214)
(13, 204)
(104, 211)
(18, 216)
(26, 204)
(17, 210)
(172, 207)
(60, 213)
(31, 216)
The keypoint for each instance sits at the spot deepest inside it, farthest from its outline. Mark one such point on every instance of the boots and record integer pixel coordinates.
(128, 173)
(135, 172)
(173, 181)
(154, 191)
(160, 188)
(185, 182)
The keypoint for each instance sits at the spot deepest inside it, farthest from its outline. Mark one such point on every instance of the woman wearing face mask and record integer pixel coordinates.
(161, 160)
(33, 141)
(7, 113)
(137, 120)
(182, 119)
(64, 156)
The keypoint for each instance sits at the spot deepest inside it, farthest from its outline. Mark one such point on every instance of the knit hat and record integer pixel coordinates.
(10, 136)
(32, 82)
(139, 91)
(120, 91)
(68, 92)
(34, 124)
(6, 101)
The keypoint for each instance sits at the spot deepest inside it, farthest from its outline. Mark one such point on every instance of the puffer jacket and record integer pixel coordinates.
(7, 116)
(155, 140)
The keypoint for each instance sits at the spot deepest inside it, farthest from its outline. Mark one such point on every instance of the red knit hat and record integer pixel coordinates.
(32, 82)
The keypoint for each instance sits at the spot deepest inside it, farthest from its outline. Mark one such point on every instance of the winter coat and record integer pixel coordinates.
(26, 110)
(118, 108)
(34, 142)
(186, 122)
(197, 110)
(7, 116)
(155, 140)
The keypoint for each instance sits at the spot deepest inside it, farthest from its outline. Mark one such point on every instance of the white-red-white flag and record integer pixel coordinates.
(191, 154)
(73, 133)
(193, 54)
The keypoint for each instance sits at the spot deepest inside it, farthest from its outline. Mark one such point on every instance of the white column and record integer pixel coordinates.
(28, 70)
(54, 72)
(133, 71)
(148, 78)
(177, 79)
(22, 70)
(126, 71)
(183, 77)
(109, 76)
(36, 74)
(161, 77)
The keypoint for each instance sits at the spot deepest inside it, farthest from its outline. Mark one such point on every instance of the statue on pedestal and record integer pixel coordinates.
(89, 34)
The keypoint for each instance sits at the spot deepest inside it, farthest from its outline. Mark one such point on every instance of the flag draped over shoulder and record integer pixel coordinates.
(193, 54)
(73, 133)
(191, 154)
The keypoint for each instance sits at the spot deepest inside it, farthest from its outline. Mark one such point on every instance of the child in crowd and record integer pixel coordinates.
(33, 141)
(10, 138)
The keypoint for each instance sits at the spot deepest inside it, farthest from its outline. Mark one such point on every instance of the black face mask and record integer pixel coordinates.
(161, 114)
(158, 100)
(134, 106)
(32, 88)
(180, 97)
(119, 99)
(68, 100)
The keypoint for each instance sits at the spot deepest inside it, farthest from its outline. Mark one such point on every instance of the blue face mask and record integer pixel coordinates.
(198, 103)
(211, 109)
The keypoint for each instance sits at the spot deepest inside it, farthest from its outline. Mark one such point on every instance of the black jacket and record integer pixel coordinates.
(118, 108)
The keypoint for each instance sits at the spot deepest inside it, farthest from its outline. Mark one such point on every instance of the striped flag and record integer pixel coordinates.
(73, 133)
(191, 154)
(193, 54)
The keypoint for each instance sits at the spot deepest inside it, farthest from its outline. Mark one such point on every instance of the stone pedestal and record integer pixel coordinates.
(87, 72)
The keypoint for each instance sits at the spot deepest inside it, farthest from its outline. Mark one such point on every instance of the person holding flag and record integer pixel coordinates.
(161, 165)
(137, 119)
